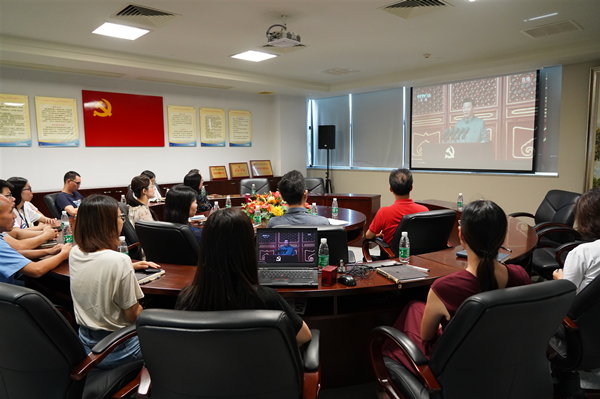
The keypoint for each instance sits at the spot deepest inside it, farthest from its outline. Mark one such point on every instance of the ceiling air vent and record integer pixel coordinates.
(413, 8)
(144, 16)
(340, 71)
(552, 29)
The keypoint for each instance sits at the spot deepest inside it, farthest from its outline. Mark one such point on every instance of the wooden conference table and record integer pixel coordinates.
(345, 315)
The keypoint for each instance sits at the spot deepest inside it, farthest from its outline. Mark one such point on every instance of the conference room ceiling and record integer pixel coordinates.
(462, 38)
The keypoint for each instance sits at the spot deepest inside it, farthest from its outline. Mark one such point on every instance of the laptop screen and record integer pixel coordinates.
(295, 248)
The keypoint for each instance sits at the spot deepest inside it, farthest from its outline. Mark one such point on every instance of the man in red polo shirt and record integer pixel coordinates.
(387, 218)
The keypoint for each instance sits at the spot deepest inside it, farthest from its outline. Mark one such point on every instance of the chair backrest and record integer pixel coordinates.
(427, 231)
(337, 240)
(583, 345)
(224, 354)
(558, 206)
(38, 347)
(262, 186)
(129, 233)
(50, 200)
(166, 242)
(495, 345)
(315, 185)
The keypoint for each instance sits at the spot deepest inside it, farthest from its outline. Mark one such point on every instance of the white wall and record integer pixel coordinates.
(512, 193)
(276, 121)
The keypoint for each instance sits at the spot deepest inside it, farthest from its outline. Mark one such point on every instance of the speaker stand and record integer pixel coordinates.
(328, 185)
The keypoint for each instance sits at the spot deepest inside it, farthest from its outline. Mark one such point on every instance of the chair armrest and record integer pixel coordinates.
(545, 225)
(312, 367)
(134, 245)
(565, 248)
(145, 383)
(382, 246)
(127, 390)
(558, 228)
(101, 350)
(520, 214)
(419, 362)
(312, 359)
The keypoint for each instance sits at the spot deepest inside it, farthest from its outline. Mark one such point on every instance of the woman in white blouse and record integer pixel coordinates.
(26, 214)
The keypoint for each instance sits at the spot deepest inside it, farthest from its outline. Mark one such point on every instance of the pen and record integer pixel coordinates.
(507, 249)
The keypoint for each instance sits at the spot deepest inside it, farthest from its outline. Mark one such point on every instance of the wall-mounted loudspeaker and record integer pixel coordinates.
(327, 137)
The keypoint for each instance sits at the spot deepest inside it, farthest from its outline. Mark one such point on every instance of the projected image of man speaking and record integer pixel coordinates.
(475, 127)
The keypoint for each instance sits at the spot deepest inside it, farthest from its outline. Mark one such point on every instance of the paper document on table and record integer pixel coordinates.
(337, 222)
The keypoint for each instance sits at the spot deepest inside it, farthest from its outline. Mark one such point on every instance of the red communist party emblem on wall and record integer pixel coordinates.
(105, 108)
(122, 120)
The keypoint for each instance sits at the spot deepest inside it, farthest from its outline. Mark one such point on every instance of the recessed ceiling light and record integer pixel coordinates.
(542, 16)
(255, 56)
(120, 31)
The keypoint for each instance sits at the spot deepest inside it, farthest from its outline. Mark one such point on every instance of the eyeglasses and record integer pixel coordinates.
(76, 182)
(122, 216)
(27, 189)
(9, 196)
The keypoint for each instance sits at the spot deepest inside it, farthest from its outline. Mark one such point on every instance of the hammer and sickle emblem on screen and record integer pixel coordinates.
(449, 152)
(106, 111)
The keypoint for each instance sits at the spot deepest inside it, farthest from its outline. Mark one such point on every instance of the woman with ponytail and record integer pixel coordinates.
(481, 230)
(138, 197)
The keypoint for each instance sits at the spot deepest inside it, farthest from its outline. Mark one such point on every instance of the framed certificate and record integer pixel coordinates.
(239, 170)
(261, 168)
(218, 173)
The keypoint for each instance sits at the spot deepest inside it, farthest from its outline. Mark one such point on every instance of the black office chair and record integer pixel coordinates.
(165, 242)
(225, 354)
(50, 200)
(427, 232)
(337, 241)
(546, 260)
(262, 186)
(41, 355)
(315, 185)
(133, 243)
(493, 347)
(576, 343)
(557, 209)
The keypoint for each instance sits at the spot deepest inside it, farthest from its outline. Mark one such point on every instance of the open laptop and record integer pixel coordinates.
(287, 257)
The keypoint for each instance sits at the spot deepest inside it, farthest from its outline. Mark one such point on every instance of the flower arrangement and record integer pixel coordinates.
(271, 204)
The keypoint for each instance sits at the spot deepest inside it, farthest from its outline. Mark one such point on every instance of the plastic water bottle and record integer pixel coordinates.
(334, 209)
(123, 246)
(216, 207)
(64, 220)
(459, 202)
(203, 191)
(313, 209)
(228, 202)
(323, 253)
(123, 199)
(404, 250)
(253, 191)
(68, 234)
(257, 215)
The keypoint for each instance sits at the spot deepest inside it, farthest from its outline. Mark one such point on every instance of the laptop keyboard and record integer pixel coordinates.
(288, 277)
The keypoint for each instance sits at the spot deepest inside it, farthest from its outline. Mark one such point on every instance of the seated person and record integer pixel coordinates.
(26, 213)
(150, 175)
(293, 191)
(194, 180)
(286, 249)
(23, 239)
(137, 199)
(100, 307)
(69, 199)
(13, 263)
(227, 273)
(582, 264)
(180, 206)
(387, 218)
(421, 321)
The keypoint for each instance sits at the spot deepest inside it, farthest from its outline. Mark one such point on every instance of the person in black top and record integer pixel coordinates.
(194, 180)
(180, 205)
(227, 273)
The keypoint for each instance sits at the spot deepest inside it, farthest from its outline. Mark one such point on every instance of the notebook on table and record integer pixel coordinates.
(287, 257)
(501, 256)
(143, 277)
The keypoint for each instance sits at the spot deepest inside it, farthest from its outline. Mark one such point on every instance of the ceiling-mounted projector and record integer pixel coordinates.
(282, 37)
